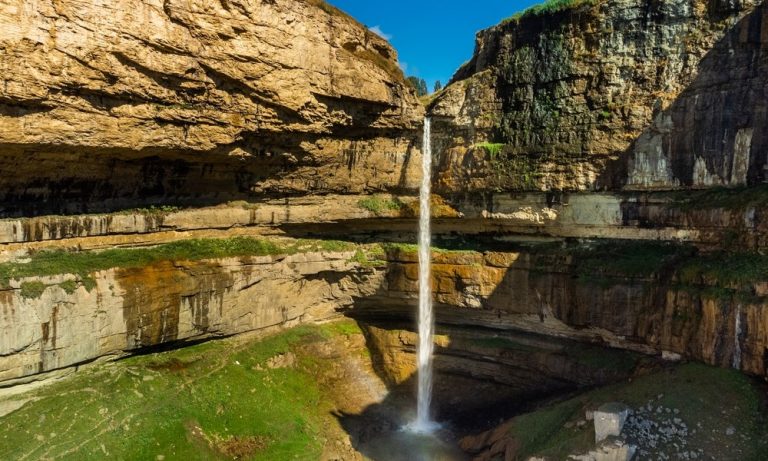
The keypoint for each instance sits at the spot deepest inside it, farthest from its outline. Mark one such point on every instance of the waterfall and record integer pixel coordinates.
(736, 335)
(426, 318)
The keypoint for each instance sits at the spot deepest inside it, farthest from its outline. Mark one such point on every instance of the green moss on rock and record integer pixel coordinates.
(32, 290)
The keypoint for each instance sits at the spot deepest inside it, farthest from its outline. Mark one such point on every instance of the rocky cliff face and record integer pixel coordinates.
(112, 105)
(650, 298)
(609, 94)
(484, 374)
(295, 106)
(55, 322)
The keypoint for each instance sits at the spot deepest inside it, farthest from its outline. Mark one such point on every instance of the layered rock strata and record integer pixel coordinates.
(113, 105)
(609, 94)
(69, 322)
(723, 219)
(483, 374)
(647, 299)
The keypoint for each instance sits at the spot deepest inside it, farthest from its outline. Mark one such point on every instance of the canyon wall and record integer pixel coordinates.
(53, 322)
(109, 105)
(650, 298)
(607, 95)
(264, 117)
(484, 374)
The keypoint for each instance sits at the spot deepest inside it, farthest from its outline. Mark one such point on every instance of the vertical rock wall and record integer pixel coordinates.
(608, 94)
(125, 310)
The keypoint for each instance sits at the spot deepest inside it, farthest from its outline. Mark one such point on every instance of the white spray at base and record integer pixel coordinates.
(425, 348)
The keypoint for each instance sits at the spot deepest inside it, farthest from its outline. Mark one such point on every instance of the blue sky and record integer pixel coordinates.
(432, 37)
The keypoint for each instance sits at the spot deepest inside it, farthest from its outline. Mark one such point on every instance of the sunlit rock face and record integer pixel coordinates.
(112, 104)
(70, 322)
(610, 94)
(292, 104)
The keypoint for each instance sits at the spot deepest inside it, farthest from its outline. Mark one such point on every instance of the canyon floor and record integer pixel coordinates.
(307, 393)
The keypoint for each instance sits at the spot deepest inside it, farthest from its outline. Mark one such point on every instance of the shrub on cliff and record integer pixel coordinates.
(548, 7)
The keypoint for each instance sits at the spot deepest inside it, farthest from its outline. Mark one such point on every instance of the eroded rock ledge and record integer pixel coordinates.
(57, 321)
(647, 297)
(61, 309)
(172, 101)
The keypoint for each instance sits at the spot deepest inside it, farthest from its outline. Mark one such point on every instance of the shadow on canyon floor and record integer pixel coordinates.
(381, 431)
(482, 377)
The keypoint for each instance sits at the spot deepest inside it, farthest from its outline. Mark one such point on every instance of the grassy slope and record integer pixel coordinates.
(193, 403)
(716, 398)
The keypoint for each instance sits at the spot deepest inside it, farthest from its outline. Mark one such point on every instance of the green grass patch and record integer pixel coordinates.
(535, 430)
(493, 149)
(603, 358)
(332, 245)
(69, 286)
(628, 258)
(735, 270)
(548, 7)
(737, 198)
(719, 275)
(83, 263)
(32, 290)
(378, 205)
(214, 401)
(414, 248)
(369, 259)
(88, 282)
(344, 328)
(716, 398)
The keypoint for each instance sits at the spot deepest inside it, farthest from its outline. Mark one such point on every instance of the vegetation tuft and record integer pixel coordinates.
(493, 149)
(628, 258)
(32, 290)
(373, 258)
(718, 275)
(548, 7)
(735, 270)
(735, 198)
(69, 286)
(378, 205)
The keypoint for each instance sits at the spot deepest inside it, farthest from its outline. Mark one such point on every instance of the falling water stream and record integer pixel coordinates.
(426, 318)
(736, 336)
(421, 439)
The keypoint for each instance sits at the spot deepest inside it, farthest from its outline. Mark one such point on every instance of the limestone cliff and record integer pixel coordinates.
(109, 105)
(54, 322)
(609, 94)
(651, 298)
(292, 104)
